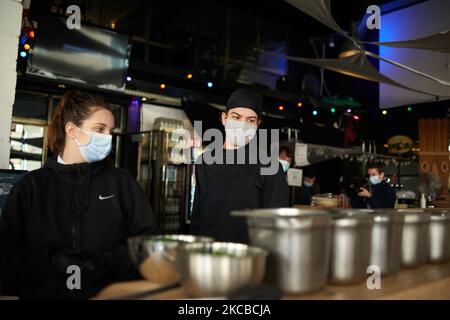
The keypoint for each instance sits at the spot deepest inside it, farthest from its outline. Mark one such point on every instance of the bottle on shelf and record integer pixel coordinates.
(423, 201)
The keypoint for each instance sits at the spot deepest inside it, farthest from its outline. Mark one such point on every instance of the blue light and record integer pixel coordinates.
(23, 39)
(315, 113)
(210, 84)
(23, 54)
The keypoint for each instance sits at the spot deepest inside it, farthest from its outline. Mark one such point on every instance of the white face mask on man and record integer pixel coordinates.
(238, 132)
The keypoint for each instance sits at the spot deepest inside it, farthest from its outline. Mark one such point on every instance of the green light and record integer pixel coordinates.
(409, 109)
(333, 110)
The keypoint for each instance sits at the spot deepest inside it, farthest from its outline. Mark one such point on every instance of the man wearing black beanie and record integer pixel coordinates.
(222, 187)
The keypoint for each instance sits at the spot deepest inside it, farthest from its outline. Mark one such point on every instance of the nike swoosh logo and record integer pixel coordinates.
(104, 198)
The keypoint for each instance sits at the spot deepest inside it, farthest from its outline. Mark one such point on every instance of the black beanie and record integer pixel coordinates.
(243, 98)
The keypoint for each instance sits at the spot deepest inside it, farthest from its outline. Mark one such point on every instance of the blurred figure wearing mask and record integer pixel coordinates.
(309, 188)
(381, 195)
(285, 158)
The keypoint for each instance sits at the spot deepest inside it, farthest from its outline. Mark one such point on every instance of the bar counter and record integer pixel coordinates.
(430, 282)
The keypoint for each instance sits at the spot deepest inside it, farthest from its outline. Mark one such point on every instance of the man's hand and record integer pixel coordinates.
(365, 193)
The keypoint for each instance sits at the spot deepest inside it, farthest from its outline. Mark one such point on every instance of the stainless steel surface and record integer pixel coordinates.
(155, 256)
(439, 237)
(415, 240)
(387, 240)
(298, 241)
(350, 248)
(220, 268)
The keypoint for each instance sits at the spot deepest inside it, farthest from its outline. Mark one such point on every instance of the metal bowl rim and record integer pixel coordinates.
(256, 251)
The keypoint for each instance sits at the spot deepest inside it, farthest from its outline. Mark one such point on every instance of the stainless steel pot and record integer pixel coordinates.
(415, 240)
(220, 268)
(155, 256)
(439, 237)
(387, 240)
(298, 241)
(350, 247)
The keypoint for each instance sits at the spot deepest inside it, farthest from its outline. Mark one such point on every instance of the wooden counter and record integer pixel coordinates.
(428, 282)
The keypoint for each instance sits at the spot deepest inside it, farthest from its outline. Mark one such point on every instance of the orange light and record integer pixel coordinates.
(31, 34)
(189, 76)
(162, 86)
(299, 104)
(26, 46)
(281, 108)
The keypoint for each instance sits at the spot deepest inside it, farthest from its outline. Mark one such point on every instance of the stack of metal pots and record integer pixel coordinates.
(309, 248)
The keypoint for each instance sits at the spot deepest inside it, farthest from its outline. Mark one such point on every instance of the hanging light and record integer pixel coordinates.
(350, 46)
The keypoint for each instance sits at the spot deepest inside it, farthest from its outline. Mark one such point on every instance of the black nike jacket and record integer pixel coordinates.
(63, 215)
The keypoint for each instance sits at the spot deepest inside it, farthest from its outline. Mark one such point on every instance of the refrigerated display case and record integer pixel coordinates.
(172, 181)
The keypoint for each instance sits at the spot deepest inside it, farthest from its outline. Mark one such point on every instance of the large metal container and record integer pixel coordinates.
(415, 240)
(298, 241)
(387, 240)
(350, 247)
(220, 269)
(155, 256)
(439, 237)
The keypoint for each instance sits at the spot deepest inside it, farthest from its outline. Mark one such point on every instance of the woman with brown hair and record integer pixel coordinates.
(74, 214)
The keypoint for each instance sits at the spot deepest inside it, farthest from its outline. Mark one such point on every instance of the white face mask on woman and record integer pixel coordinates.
(238, 132)
(98, 147)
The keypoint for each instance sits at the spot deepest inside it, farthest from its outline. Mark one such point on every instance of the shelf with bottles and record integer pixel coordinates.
(171, 224)
(172, 206)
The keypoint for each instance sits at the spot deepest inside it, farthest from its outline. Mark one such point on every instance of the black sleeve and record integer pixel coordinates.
(384, 199)
(17, 262)
(276, 190)
(140, 217)
(196, 212)
(139, 220)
